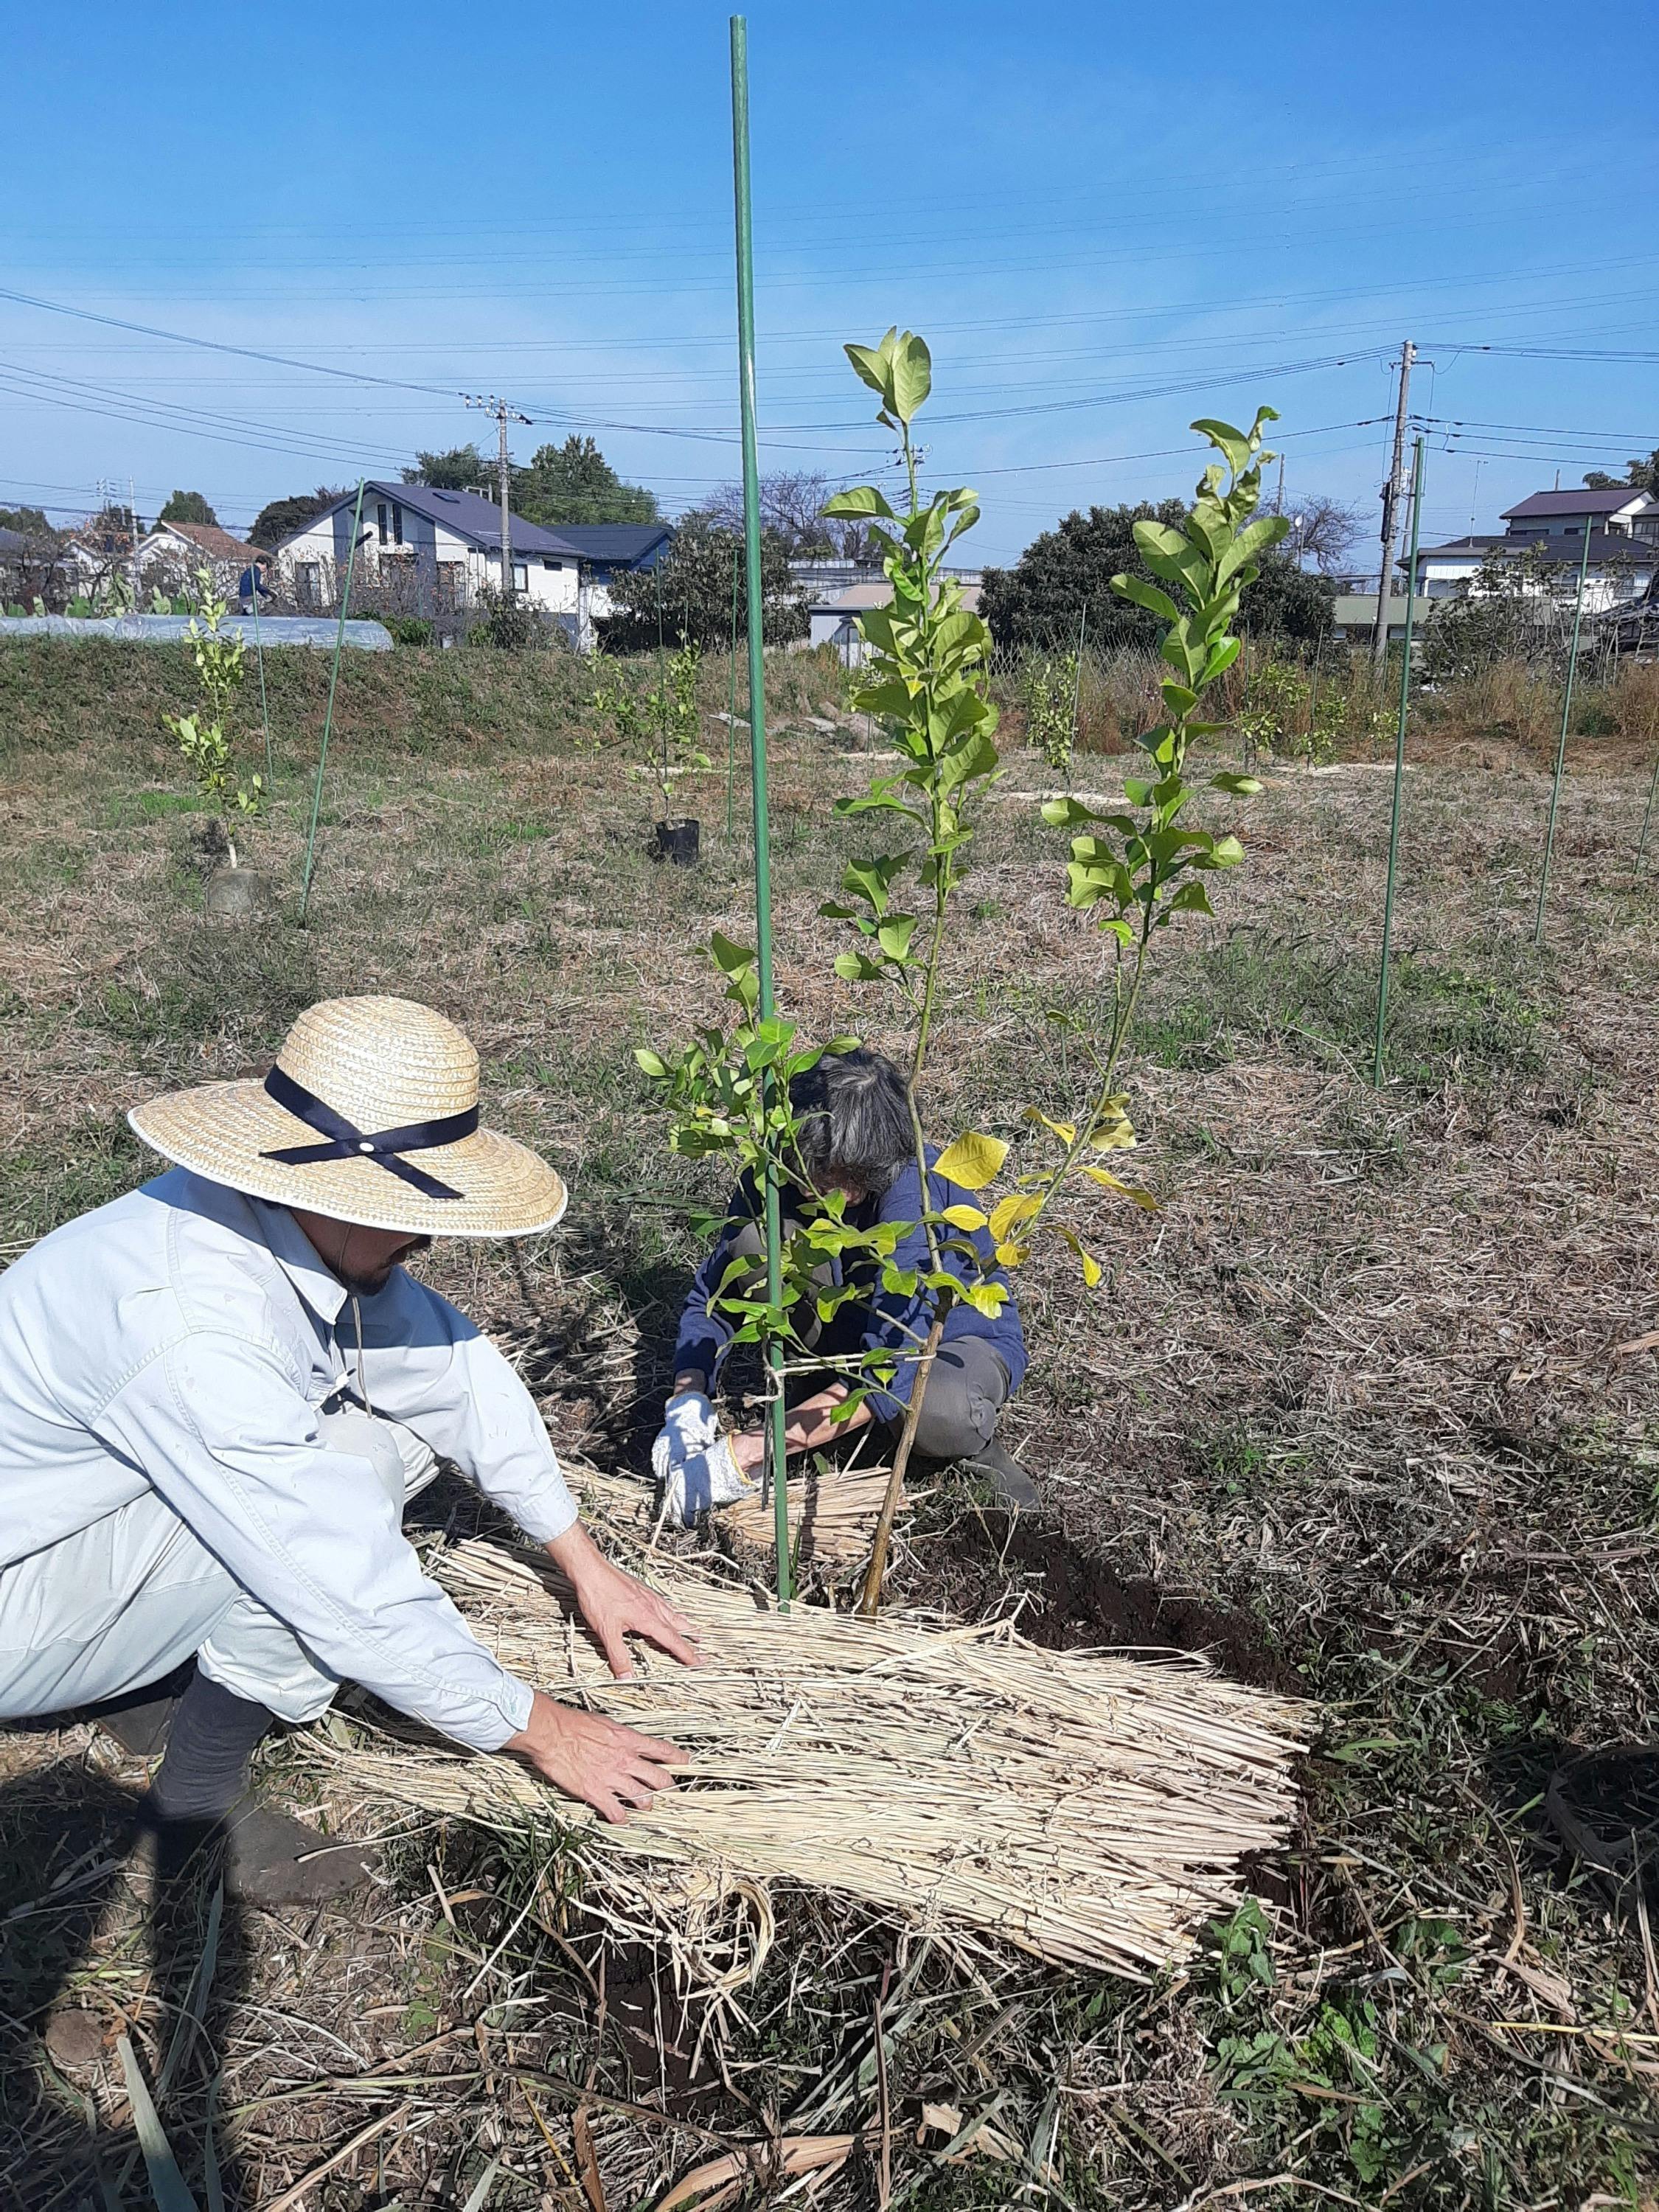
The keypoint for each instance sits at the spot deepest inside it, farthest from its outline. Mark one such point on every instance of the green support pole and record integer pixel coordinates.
(1561, 747)
(328, 718)
(776, 1456)
(1399, 763)
(1647, 818)
(731, 703)
(259, 659)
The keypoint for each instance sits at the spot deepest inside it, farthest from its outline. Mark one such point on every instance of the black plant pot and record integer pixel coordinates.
(677, 841)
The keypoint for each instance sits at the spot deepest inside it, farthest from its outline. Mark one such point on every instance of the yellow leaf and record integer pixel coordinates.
(1142, 1199)
(1090, 1265)
(964, 1217)
(1063, 1130)
(1013, 1255)
(987, 1298)
(1008, 1213)
(1115, 1132)
(972, 1161)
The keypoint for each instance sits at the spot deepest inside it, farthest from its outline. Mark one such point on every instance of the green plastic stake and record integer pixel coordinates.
(1647, 818)
(776, 1456)
(1561, 747)
(1398, 763)
(731, 703)
(259, 659)
(328, 718)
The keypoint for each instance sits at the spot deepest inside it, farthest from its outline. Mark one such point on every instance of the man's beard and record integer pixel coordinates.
(367, 1282)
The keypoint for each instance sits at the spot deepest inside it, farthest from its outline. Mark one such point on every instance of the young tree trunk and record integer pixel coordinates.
(870, 1601)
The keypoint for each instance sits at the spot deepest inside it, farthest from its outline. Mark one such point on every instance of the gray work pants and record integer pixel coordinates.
(966, 1390)
(121, 1604)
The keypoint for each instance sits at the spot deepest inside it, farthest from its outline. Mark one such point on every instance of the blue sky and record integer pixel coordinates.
(1083, 208)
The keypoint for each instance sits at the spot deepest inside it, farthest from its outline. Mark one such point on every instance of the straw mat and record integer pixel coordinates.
(1089, 1808)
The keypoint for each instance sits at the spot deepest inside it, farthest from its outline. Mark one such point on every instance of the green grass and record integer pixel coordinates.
(1258, 992)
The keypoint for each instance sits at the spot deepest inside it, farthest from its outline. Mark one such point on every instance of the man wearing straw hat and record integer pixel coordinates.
(215, 1395)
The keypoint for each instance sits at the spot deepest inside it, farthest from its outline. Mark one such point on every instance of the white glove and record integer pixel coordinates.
(690, 1425)
(710, 1478)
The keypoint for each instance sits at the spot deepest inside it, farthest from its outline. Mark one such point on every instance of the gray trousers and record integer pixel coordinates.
(121, 1604)
(966, 1390)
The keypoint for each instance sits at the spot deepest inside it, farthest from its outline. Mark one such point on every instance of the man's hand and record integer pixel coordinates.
(615, 1606)
(605, 1765)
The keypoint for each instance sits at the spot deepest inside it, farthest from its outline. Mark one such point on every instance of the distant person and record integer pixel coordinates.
(215, 1395)
(251, 586)
(857, 1138)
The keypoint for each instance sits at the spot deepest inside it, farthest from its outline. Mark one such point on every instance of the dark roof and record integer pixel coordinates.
(621, 543)
(1567, 552)
(465, 513)
(470, 515)
(1583, 502)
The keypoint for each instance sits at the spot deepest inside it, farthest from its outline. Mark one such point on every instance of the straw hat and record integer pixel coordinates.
(370, 1115)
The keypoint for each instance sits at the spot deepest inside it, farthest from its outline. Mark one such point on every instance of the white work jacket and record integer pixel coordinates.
(182, 1340)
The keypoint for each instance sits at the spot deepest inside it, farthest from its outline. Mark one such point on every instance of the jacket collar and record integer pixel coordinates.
(275, 1227)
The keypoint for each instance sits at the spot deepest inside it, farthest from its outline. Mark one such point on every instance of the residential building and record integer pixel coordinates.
(1623, 528)
(172, 556)
(1353, 616)
(833, 618)
(431, 553)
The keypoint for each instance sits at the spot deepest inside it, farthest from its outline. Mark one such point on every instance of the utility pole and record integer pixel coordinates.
(504, 414)
(1391, 492)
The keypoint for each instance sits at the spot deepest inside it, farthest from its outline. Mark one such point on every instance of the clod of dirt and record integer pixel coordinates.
(235, 895)
(75, 2038)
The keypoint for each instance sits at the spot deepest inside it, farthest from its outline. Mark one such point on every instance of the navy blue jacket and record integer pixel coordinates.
(884, 1321)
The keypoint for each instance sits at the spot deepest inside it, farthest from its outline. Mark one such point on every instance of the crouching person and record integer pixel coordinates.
(856, 1138)
(216, 1394)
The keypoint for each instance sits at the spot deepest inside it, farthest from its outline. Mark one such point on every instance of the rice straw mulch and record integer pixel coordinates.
(1090, 1808)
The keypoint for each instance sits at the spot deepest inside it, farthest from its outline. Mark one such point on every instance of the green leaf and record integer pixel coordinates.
(870, 362)
(987, 1298)
(731, 958)
(1148, 596)
(166, 2183)
(652, 1062)
(913, 375)
(1235, 444)
(862, 499)
(972, 1161)
(1243, 786)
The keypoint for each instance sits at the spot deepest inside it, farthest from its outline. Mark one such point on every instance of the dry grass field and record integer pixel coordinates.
(1365, 1410)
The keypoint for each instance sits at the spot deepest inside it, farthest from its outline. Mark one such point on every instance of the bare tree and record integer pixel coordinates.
(791, 504)
(1327, 531)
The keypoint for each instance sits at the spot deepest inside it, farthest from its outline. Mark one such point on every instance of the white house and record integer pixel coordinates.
(172, 555)
(1622, 524)
(833, 619)
(431, 553)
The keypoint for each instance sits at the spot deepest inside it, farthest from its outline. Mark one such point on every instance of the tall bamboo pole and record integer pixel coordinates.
(1561, 747)
(1398, 763)
(328, 718)
(776, 1455)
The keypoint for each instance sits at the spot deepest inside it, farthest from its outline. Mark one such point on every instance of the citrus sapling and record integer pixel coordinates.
(202, 735)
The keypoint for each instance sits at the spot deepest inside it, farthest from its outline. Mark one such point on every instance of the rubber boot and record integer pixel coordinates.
(1003, 1476)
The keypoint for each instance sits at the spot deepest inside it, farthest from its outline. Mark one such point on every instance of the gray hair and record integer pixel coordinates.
(854, 1113)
